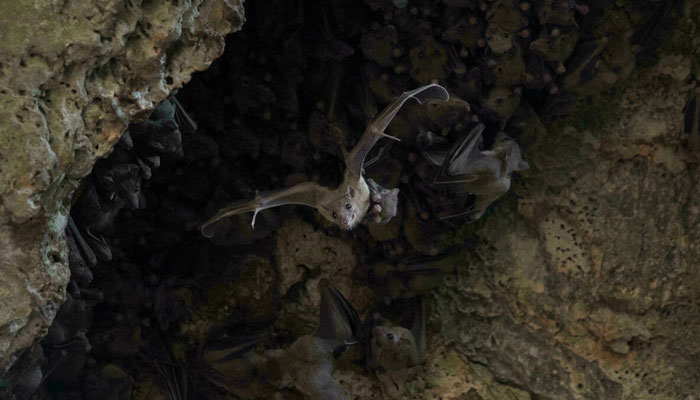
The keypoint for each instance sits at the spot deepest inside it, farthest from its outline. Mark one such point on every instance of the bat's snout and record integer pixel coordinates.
(346, 223)
(379, 331)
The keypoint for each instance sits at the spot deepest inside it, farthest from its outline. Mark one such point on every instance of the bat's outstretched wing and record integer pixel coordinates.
(308, 193)
(375, 130)
(338, 321)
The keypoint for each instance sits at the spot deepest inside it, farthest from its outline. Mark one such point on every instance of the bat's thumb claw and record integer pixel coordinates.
(252, 223)
(207, 233)
(391, 137)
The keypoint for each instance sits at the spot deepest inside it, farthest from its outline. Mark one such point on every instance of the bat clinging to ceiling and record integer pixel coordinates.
(485, 173)
(394, 351)
(306, 365)
(347, 205)
(395, 347)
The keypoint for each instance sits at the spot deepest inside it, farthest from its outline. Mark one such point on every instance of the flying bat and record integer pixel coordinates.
(348, 204)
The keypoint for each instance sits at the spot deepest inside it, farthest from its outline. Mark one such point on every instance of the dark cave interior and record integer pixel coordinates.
(295, 86)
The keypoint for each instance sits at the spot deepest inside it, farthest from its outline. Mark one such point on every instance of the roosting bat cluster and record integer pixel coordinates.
(156, 310)
(113, 189)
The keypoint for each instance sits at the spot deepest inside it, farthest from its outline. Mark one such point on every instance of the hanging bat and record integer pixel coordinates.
(309, 360)
(484, 173)
(307, 364)
(395, 347)
(347, 205)
(395, 352)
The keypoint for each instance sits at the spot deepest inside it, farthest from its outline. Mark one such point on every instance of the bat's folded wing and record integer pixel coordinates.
(338, 322)
(307, 193)
(467, 164)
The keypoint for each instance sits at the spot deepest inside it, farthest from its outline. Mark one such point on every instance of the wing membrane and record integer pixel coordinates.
(307, 193)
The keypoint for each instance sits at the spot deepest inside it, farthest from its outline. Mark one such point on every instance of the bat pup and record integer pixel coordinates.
(348, 204)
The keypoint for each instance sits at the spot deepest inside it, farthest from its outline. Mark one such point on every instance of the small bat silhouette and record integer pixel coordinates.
(347, 205)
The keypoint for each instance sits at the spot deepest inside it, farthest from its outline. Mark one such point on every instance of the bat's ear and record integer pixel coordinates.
(351, 192)
(523, 165)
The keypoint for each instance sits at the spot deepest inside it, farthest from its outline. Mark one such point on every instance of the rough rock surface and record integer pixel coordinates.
(584, 282)
(585, 286)
(73, 73)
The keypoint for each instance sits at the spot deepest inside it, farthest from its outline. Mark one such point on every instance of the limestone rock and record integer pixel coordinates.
(73, 74)
(585, 287)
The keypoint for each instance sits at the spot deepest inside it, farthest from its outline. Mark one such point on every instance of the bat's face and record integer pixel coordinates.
(343, 211)
(392, 347)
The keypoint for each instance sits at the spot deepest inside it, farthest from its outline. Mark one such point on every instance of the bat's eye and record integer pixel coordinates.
(390, 336)
(335, 215)
(348, 206)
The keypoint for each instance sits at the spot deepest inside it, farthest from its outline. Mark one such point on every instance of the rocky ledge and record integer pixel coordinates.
(73, 74)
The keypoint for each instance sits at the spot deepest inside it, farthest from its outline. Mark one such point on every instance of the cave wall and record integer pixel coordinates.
(72, 74)
(584, 284)
(584, 280)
